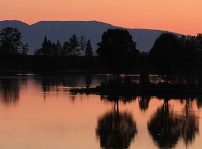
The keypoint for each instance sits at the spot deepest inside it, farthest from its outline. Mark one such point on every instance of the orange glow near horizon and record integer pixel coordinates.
(181, 16)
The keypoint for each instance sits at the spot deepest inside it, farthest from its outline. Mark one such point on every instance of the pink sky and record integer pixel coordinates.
(181, 16)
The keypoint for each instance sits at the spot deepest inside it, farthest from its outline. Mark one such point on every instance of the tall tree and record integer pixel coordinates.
(88, 50)
(65, 49)
(73, 49)
(54, 51)
(82, 44)
(199, 52)
(166, 53)
(45, 46)
(117, 50)
(70, 48)
(189, 54)
(10, 42)
(46, 49)
(58, 48)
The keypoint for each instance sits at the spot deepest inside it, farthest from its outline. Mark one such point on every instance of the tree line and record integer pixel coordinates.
(117, 50)
(171, 53)
(11, 45)
(75, 46)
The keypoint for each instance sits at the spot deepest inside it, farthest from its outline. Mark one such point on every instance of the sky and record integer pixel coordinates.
(181, 16)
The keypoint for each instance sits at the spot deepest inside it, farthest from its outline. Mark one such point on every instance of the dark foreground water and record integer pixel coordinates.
(40, 113)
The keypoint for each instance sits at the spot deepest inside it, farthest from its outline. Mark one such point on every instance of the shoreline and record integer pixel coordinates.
(150, 89)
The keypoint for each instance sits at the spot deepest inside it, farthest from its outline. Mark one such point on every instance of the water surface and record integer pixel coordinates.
(40, 113)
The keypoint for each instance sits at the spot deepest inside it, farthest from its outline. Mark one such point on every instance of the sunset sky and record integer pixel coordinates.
(181, 16)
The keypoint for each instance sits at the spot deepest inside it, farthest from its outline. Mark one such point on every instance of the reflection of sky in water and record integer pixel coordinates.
(39, 112)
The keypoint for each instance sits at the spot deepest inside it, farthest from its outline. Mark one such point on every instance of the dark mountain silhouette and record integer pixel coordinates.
(62, 30)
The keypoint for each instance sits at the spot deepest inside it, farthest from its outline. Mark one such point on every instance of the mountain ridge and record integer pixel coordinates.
(61, 30)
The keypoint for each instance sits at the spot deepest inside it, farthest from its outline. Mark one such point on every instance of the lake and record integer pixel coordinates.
(39, 112)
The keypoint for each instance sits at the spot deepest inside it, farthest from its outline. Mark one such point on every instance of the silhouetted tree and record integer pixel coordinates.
(10, 42)
(199, 42)
(82, 44)
(70, 48)
(166, 53)
(190, 53)
(49, 49)
(65, 49)
(73, 46)
(53, 51)
(46, 49)
(57, 49)
(46, 45)
(199, 52)
(88, 50)
(117, 50)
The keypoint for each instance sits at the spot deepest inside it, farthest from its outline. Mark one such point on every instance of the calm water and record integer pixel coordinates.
(40, 113)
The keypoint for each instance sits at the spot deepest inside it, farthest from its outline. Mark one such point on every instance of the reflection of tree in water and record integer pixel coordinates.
(46, 85)
(190, 124)
(116, 130)
(166, 127)
(144, 102)
(199, 102)
(50, 83)
(116, 98)
(9, 90)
